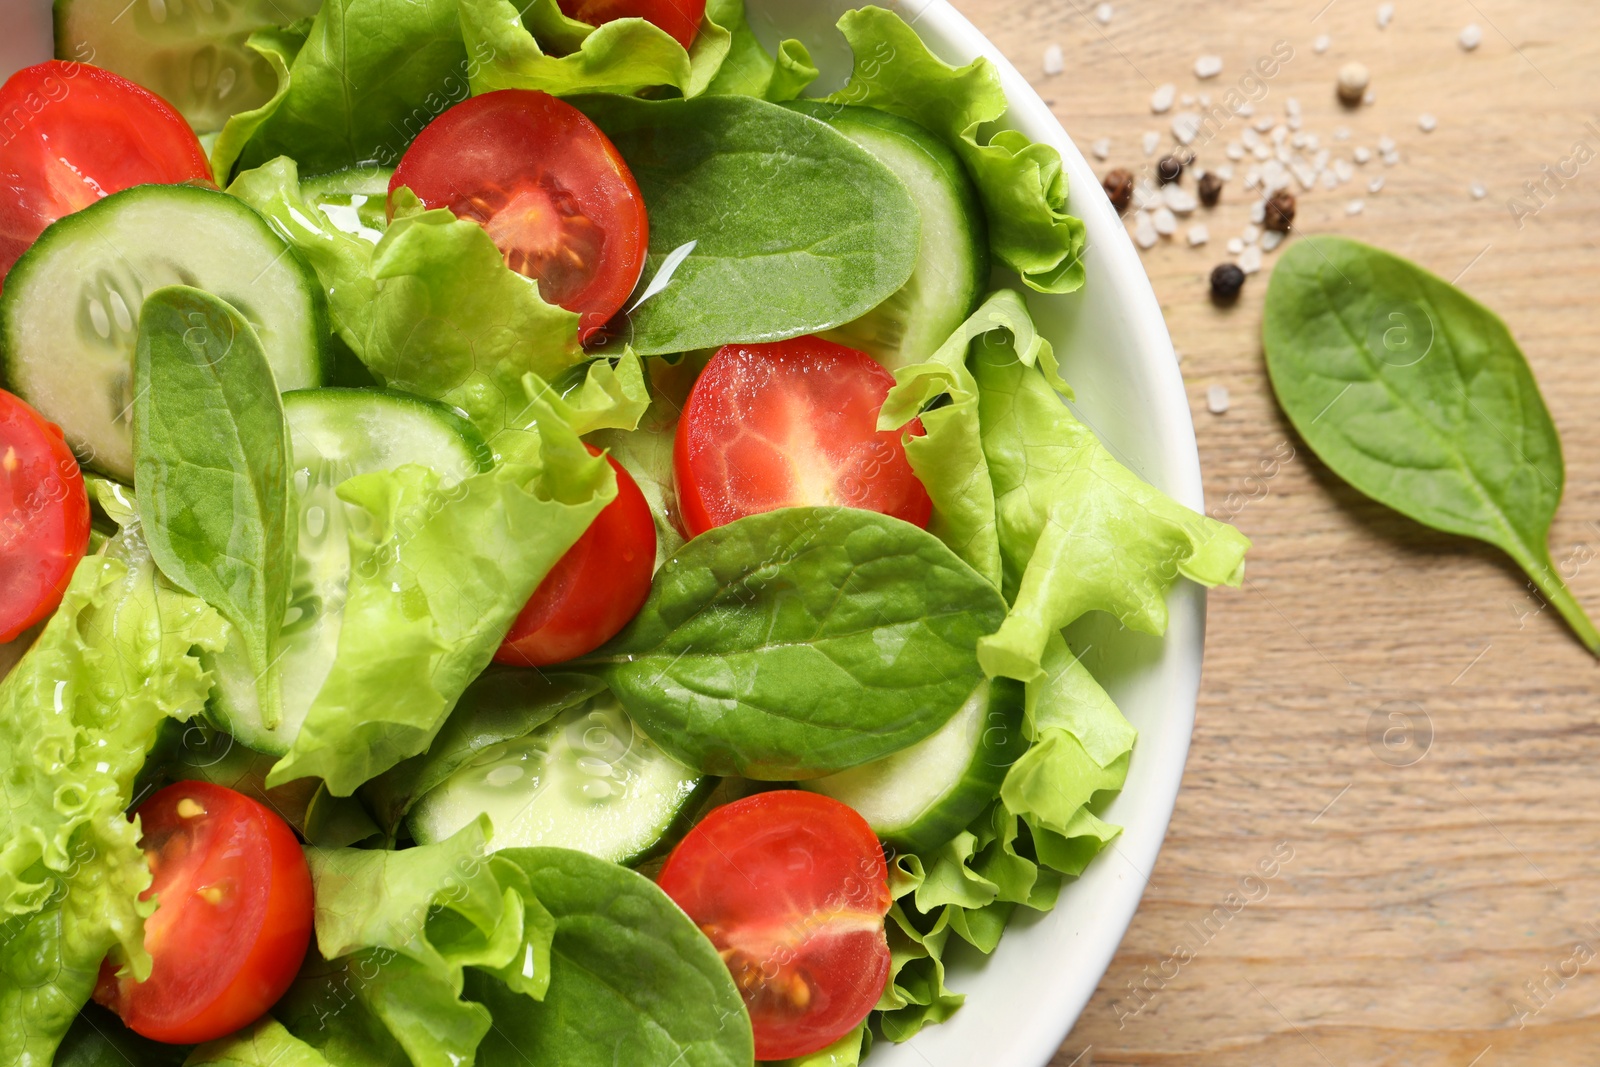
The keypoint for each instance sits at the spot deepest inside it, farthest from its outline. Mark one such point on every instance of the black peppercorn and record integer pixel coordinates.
(1226, 281)
(1280, 211)
(1169, 170)
(1210, 189)
(1118, 185)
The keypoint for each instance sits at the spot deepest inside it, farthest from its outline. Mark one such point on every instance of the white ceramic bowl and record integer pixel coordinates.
(1116, 353)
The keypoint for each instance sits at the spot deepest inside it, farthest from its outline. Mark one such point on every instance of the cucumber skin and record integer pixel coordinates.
(321, 322)
(844, 118)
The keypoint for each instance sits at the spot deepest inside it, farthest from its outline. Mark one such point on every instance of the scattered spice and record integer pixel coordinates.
(1210, 189)
(1226, 281)
(1471, 37)
(1217, 400)
(1353, 81)
(1169, 170)
(1118, 185)
(1280, 211)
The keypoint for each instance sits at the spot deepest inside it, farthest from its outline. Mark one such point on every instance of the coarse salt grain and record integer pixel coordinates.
(1427, 123)
(1217, 397)
(1330, 180)
(1144, 231)
(1235, 151)
(1150, 141)
(1321, 44)
(1264, 123)
(1179, 199)
(1102, 14)
(1342, 133)
(1251, 235)
(1271, 240)
(1354, 207)
(1362, 154)
(1386, 144)
(1235, 246)
(1471, 37)
(1375, 185)
(1165, 222)
(1478, 191)
(1258, 212)
(1245, 110)
(1250, 259)
(1161, 100)
(1198, 235)
(1385, 15)
(1055, 61)
(1343, 170)
(1187, 100)
(1101, 148)
(1208, 66)
(1225, 172)
(1186, 127)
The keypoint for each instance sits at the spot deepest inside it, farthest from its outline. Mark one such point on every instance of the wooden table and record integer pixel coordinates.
(1429, 910)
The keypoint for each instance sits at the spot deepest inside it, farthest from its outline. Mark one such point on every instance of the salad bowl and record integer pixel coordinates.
(1116, 354)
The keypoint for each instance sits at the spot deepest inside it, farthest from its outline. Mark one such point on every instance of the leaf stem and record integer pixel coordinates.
(1555, 592)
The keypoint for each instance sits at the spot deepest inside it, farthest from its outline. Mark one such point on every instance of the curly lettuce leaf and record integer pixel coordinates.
(1079, 532)
(449, 321)
(435, 582)
(265, 1043)
(367, 79)
(1022, 184)
(78, 715)
(279, 46)
(396, 932)
(535, 46)
(606, 396)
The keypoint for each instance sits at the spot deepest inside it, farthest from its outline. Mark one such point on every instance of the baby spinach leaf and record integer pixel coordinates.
(796, 228)
(211, 459)
(632, 979)
(801, 642)
(1418, 396)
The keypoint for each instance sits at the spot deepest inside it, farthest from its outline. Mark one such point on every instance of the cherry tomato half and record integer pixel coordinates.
(593, 590)
(547, 185)
(45, 529)
(680, 18)
(792, 889)
(75, 133)
(780, 425)
(234, 918)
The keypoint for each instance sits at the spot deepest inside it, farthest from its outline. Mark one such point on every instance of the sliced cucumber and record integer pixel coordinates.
(921, 797)
(69, 315)
(586, 780)
(191, 53)
(953, 263)
(337, 434)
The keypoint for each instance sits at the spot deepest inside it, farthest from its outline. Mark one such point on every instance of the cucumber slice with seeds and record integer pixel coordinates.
(587, 780)
(336, 434)
(69, 313)
(191, 53)
(953, 261)
(921, 797)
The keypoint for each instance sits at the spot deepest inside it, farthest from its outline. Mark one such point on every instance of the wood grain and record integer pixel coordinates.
(1421, 902)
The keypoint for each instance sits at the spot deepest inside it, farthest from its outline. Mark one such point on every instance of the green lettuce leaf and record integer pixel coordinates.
(1079, 532)
(449, 321)
(99, 1039)
(367, 79)
(1022, 184)
(535, 46)
(342, 261)
(435, 582)
(265, 1043)
(400, 930)
(598, 395)
(749, 69)
(278, 46)
(77, 717)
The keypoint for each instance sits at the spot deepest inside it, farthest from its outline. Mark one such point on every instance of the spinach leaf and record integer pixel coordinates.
(632, 979)
(211, 460)
(502, 704)
(801, 642)
(796, 228)
(1418, 396)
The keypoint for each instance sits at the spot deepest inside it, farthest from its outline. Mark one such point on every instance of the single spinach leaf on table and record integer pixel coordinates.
(801, 642)
(796, 228)
(1418, 396)
(211, 460)
(632, 979)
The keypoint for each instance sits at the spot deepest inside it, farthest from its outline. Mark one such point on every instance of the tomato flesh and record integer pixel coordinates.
(792, 888)
(680, 18)
(788, 424)
(46, 529)
(233, 921)
(72, 134)
(549, 188)
(593, 590)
